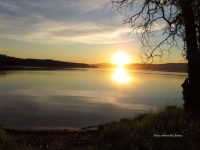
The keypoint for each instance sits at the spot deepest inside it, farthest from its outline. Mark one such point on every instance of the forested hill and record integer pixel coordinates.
(7, 61)
(172, 67)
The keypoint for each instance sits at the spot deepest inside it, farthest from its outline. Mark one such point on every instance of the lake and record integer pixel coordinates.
(80, 98)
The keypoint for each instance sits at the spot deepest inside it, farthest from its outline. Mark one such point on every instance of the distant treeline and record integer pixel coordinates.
(179, 67)
(172, 67)
(12, 62)
(7, 62)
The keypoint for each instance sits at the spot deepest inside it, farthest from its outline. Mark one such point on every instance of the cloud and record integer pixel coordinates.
(8, 5)
(89, 33)
(60, 21)
(76, 5)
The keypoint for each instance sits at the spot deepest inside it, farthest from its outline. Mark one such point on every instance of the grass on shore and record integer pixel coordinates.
(167, 129)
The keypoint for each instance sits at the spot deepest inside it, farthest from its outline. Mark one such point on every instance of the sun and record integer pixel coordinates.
(121, 58)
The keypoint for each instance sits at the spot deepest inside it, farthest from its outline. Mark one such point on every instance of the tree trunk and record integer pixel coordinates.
(191, 86)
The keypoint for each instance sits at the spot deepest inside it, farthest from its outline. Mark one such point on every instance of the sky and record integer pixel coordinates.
(68, 30)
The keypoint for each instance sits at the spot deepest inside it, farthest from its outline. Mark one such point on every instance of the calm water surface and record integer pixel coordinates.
(79, 98)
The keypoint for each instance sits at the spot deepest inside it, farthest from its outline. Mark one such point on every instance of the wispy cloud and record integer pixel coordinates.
(58, 21)
(8, 5)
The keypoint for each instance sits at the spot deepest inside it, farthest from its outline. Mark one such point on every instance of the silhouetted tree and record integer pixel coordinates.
(177, 19)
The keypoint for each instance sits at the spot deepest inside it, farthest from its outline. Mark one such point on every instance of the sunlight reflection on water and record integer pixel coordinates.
(121, 75)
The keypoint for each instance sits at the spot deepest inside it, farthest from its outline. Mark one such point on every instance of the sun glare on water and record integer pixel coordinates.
(120, 74)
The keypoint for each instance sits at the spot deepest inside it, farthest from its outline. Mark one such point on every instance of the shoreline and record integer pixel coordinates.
(53, 129)
(2, 69)
(130, 133)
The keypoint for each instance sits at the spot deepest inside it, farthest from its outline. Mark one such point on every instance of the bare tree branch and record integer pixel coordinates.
(163, 13)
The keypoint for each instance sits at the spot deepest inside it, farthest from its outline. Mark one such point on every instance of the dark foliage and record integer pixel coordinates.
(6, 61)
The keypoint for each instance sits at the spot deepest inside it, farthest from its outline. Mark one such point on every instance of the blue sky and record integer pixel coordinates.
(68, 30)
